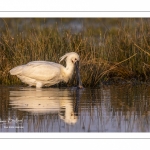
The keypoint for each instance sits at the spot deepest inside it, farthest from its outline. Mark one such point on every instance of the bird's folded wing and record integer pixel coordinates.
(41, 71)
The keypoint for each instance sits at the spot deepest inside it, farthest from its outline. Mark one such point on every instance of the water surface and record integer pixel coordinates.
(106, 109)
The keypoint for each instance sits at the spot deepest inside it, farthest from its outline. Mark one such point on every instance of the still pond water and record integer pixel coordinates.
(106, 109)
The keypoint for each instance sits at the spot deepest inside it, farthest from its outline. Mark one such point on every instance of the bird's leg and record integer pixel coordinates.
(39, 84)
(29, 86)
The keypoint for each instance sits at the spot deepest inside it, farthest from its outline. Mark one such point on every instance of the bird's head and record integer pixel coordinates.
(73, 58)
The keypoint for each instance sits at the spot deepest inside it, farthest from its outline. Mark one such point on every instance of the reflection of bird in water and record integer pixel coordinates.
(45, 73)
(45, 101)
(70, 115)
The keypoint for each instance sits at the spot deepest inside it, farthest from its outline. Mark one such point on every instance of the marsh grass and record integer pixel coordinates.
(118, 53)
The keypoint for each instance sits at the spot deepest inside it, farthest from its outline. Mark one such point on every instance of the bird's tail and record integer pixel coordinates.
(16, 70)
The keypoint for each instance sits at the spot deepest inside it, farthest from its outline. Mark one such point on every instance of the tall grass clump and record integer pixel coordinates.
(120, 52)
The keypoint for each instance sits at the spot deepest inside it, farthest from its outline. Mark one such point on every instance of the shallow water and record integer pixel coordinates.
(106, 109)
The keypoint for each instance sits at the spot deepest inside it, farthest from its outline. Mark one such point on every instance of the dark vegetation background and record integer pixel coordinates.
(112, 50)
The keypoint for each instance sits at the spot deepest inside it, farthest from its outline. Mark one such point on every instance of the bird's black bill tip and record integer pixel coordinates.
(80, 87)
(79, 82)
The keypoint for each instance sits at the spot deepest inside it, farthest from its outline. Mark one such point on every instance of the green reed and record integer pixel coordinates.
(117, 51)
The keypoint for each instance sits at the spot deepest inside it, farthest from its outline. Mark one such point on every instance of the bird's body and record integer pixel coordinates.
(45, 73)
(39, 73)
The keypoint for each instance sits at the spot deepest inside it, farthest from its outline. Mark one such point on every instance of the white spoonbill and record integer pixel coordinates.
(45, 73)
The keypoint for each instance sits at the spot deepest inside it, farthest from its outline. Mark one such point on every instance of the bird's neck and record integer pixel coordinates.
(69, 69)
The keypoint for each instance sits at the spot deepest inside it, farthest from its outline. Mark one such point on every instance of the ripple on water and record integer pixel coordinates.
(107, 109)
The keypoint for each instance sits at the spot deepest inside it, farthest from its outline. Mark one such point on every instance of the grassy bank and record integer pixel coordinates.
(110, 49)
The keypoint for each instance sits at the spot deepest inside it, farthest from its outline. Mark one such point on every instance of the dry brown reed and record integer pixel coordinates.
(120, 52)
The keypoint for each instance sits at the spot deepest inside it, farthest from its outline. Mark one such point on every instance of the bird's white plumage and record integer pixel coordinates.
(45, 73)
(42, 71)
